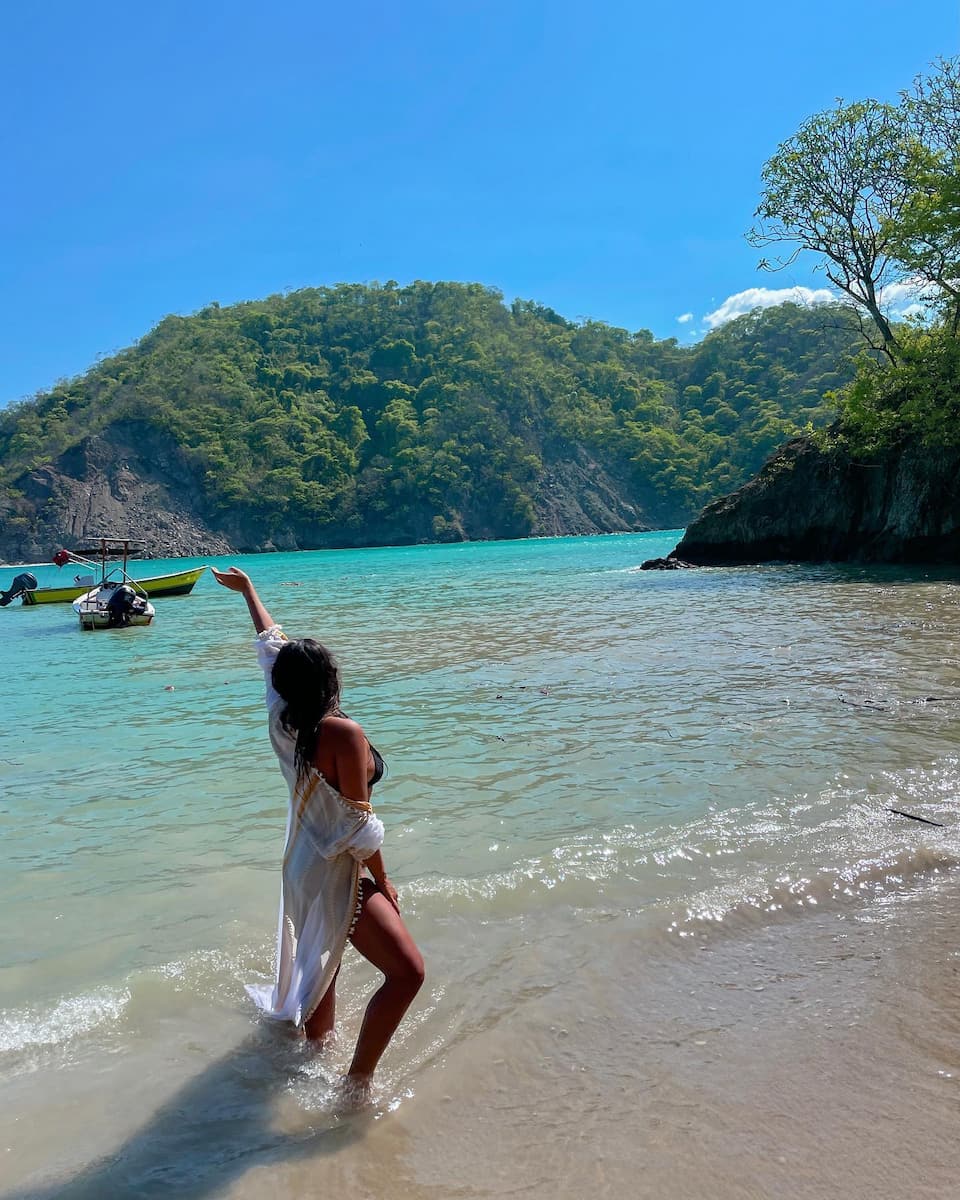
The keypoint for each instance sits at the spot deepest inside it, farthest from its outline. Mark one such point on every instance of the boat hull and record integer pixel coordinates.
(113, 605)
(98, 619)
(178, 583)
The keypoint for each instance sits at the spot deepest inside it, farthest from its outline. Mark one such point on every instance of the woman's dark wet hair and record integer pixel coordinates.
(306, 677)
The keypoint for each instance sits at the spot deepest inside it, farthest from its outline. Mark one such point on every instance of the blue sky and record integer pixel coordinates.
(601, 158)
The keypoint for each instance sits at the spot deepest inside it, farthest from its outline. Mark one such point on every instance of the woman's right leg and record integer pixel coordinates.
(382, 938)
(319, 1025)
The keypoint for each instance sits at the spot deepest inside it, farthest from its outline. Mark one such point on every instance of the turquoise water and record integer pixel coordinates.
(572, 744)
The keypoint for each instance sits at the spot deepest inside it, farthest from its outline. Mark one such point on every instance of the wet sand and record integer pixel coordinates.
(814, 1060)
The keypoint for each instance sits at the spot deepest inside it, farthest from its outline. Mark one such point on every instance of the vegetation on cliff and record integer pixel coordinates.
(357, 414)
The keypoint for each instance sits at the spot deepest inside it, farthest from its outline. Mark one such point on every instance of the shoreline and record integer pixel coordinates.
(547, 537)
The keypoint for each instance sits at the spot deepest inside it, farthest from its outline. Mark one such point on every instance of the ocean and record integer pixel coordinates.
(676, 943)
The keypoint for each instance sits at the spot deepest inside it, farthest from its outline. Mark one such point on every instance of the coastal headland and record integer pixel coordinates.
(383, 415)
(814, 504)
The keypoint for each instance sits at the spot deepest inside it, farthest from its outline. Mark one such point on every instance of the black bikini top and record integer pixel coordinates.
(379, 766)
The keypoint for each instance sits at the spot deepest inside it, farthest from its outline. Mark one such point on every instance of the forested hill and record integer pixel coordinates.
(363, 415)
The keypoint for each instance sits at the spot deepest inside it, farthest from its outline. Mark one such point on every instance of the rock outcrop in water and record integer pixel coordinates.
(670, 563)
(809, 504)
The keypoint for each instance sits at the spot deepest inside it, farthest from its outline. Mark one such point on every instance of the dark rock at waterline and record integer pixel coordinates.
(665, 564)
(810, 504)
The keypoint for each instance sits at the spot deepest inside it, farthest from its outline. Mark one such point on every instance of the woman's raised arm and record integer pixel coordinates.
(236, 580)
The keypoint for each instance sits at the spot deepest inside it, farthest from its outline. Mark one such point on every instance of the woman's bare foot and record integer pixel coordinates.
(355, 1093)
(326, 1041)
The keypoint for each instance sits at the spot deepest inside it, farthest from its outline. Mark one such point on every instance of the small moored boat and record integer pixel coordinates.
(175, 583)
(117, 600)
(106, 596)
(113, 604)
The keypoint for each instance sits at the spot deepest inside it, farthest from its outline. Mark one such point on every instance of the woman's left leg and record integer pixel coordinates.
(382, 938)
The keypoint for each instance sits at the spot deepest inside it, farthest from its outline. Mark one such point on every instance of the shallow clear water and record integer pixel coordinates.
(599, 779)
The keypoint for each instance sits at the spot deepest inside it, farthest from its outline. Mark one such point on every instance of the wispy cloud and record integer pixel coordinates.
(896, 295)
(685, 317)
(745, 302)
(908, 297)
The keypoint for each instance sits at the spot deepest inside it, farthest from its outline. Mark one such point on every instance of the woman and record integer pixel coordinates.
(332, 837)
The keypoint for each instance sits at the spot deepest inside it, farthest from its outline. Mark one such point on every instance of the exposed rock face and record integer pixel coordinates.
(577, 496)
(134, 483)
(809, 505)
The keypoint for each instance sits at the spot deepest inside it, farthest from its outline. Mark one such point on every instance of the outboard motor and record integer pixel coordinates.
(23, 583)
(123, 604)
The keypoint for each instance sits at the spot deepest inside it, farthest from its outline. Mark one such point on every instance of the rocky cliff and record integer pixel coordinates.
(809, 504)
(132, 479)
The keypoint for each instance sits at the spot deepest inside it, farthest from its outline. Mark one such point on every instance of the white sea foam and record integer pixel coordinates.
(756, 862)
(749, 902)
(69, 1018)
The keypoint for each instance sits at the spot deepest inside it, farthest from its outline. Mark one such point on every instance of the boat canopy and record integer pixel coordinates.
(109, 546)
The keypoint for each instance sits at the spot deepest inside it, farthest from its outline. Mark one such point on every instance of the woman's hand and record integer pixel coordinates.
(233, 578)
(384, 885)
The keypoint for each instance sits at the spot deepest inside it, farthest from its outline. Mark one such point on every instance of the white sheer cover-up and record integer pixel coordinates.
(327, 839)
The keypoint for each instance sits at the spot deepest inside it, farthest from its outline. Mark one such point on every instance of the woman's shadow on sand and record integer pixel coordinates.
(210, 1132)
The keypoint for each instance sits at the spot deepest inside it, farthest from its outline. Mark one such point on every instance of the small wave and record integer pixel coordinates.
(580, 863)
(754, 863)
(790, 895)
(69, 1018)
(203, 973)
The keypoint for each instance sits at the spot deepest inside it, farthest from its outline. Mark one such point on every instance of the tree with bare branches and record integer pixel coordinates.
(839, 187)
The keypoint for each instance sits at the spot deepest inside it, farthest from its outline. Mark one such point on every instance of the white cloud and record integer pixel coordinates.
(917, 309)
(911, 298)
(744, 302)
(685, 318)
(896, 295)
